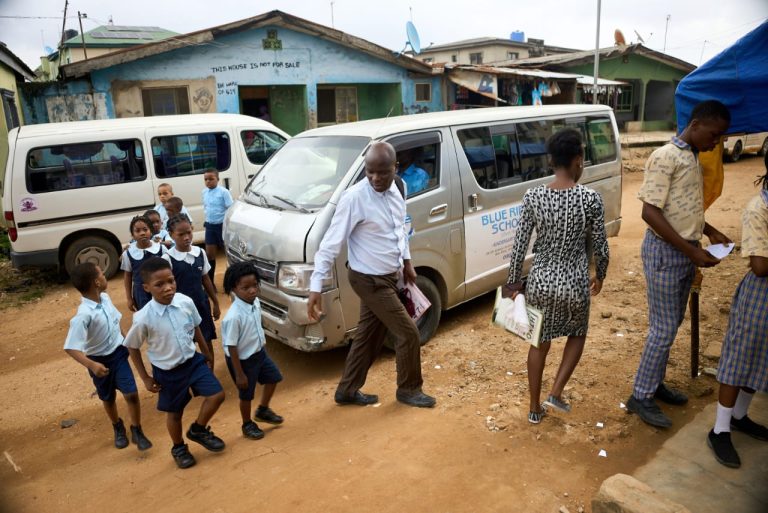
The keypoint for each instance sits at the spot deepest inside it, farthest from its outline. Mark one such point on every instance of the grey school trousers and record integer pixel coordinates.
(381, 311)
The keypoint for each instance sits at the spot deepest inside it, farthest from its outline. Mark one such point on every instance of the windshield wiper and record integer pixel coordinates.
(292, 204)
(263, 200)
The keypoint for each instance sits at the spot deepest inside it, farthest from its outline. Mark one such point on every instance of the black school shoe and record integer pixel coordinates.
(251, 430)
(750, 427)
(265, 414)
(137, 437)
(182, 456)
(121, 439)
(358, 398)
(670, 395)
(648, 411)
(724, 451)
(205, 437)
(418, 399)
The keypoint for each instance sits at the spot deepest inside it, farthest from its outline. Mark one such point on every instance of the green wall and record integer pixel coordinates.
(288, 107)
(378, 100)
(637, 66)
(7, 81)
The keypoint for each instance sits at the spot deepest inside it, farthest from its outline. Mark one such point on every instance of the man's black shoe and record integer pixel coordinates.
(137, 437)
(648, 411)
(670, 395)
(265, 414)
(418, 399)
(182, 456)
(750, 427)
(723, 449)
(205, 437)
(357, 398)
(121, 440)
(251, 430)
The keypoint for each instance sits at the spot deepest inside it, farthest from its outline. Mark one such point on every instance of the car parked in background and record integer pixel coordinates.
(736, 145)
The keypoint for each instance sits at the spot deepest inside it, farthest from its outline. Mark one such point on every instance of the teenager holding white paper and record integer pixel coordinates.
(565, 214)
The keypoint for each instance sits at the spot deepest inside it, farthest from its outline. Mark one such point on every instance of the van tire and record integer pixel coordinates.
(92, 249)
(735, 152)
(431, 319)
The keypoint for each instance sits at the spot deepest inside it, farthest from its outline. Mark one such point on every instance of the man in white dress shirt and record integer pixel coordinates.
(370, 217)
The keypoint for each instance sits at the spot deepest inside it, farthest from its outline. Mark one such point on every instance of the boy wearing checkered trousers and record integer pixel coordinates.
(673, 208)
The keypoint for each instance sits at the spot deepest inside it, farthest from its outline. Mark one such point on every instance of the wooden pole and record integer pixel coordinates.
(694, 305)
(63, 27)
(82, 36)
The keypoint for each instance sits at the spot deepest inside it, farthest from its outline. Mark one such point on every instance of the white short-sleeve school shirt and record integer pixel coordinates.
(156, 249)
(95, 328)
(168, 330)
(241, 327)
(188, 256)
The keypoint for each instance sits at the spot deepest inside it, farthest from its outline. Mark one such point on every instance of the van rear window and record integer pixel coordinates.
(193, 154)
(79, 165)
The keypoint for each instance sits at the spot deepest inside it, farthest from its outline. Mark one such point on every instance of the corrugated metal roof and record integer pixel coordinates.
(535, 73)
(119, 36)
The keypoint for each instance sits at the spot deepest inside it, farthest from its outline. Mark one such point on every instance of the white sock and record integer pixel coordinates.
(742, 404)
(723, 419)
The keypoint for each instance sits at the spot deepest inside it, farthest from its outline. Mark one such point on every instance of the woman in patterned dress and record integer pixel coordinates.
(567, 217)
(743, 367)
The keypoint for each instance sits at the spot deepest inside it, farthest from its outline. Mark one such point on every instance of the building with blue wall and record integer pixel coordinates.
(294, 72)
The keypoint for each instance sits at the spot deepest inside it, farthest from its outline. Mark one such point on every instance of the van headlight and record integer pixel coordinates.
(294, 279)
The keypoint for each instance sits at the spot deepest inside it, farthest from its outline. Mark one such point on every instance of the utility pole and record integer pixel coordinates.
(63, 26)
(333, 25)
(665, 33)
(82, 36)
(597, 54)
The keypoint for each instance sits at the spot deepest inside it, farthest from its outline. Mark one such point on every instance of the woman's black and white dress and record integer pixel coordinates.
(558, 282)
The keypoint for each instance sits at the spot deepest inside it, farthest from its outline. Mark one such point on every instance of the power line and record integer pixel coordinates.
(35, 17)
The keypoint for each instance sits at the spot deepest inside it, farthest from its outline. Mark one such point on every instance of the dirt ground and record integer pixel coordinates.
(474, 452)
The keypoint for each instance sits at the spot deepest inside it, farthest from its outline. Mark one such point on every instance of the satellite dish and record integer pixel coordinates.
(618, 37)
(48, 50)
(413, 37)
(639, 37)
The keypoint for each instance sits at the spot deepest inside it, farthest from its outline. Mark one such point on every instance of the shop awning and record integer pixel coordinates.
(485, 84)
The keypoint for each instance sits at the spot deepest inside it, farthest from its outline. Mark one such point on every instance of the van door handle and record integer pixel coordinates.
(440, 209)
(472, 200)
(226, 183)
(249, 176)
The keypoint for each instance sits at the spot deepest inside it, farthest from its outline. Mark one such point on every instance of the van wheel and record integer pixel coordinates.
(431, 319)
(92, 249)
(736, 152)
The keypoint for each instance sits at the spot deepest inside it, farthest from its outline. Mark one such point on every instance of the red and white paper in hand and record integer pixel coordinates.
(414, 300)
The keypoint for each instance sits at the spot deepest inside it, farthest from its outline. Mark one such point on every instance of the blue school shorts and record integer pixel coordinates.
(258, 368)
(120, 376)
(214, 234)
(176, 383)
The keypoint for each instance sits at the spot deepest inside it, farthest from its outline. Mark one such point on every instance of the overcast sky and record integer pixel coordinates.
(698, 29)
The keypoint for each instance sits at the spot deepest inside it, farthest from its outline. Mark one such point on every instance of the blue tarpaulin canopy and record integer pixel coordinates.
(738, 77)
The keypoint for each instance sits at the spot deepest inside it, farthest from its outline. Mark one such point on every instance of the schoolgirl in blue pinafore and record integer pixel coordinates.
(138, 251)
(190, 268)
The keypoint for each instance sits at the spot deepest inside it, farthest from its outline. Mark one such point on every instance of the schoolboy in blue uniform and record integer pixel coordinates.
(216, 201)
(95, 341)
(247, 358)
(169, 324)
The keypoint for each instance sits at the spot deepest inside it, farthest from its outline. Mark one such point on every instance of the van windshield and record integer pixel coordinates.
(305, 172)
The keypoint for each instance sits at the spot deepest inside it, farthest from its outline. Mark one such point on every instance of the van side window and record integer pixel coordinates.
(75, 166)
(260, 145)
(602, 140)
(478, 147)
(418, 161)
(532, 145)
(184, 155)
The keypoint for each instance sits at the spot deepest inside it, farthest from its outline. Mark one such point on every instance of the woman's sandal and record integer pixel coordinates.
(534, 417)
